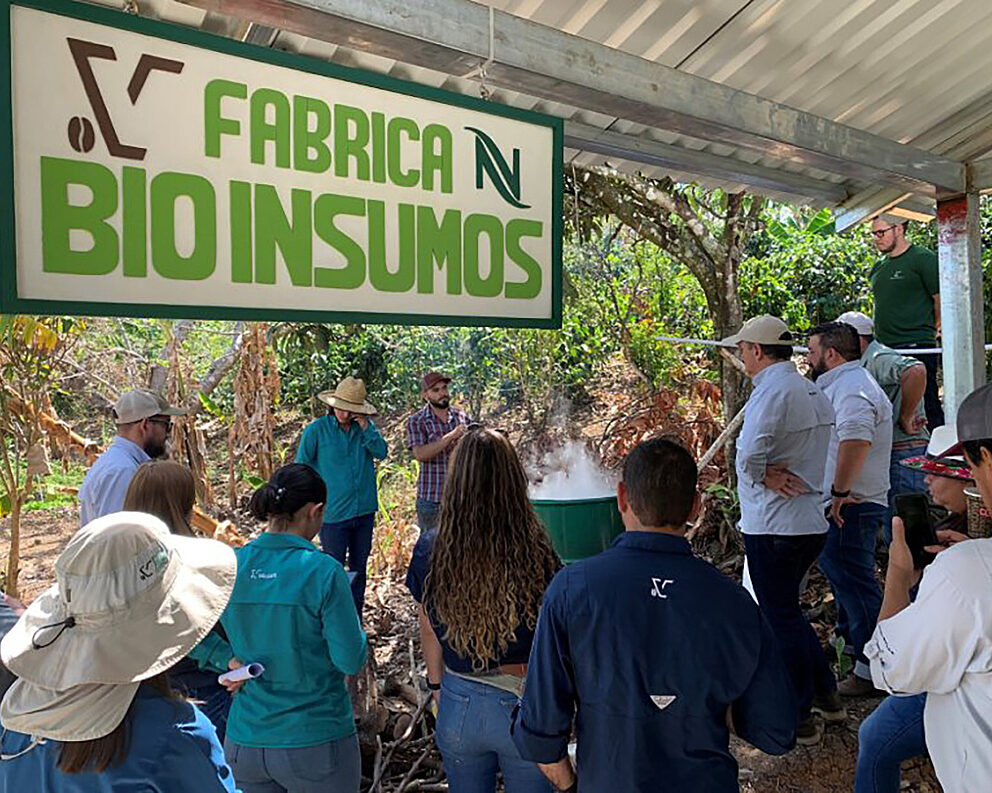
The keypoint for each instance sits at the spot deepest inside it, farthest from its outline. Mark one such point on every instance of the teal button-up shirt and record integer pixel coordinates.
(345, 460)
(291, 611)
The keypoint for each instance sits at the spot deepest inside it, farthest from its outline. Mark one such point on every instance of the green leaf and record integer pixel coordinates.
(211, 407)
(822, 223)
(5, 505)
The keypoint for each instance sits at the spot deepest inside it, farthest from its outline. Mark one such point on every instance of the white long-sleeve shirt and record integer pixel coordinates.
(787, 421)
(942, 645)
(862, 412)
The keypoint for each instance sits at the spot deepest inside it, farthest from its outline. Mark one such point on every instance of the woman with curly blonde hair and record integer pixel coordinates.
(479, 579)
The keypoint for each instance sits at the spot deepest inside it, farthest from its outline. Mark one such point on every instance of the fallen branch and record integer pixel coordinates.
(379, 771)
(724, 436)
(413, 769)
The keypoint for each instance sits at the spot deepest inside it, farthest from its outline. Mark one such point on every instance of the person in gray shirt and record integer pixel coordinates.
(781, 453)
(856, 477)
(903, 379)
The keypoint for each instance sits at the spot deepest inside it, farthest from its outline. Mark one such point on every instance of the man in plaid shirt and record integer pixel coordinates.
(431, 435)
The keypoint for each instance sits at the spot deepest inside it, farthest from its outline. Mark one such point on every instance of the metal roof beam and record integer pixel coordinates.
(677, 158)
(458, 36)
(980, 175)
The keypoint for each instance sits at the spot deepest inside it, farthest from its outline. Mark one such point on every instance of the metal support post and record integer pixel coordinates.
(961, 299)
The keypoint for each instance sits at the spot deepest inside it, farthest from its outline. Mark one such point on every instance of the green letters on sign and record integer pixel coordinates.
(60, 216)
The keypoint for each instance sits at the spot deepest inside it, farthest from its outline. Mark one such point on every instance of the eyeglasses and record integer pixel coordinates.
(879, 233)
(167, 423)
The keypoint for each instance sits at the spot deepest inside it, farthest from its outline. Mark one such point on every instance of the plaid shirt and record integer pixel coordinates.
(424, 427)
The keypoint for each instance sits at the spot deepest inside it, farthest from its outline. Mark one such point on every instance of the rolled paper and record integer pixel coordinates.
(246, 672)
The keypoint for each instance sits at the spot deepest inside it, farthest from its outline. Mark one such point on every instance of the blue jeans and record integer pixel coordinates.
(777, 564)
(473, 736)
(903, 480)
(350, 542)
(892, 733)
(332, 766)
(428, 513)
(848, 562)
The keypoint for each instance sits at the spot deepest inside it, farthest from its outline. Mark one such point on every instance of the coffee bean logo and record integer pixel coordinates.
(81, 136)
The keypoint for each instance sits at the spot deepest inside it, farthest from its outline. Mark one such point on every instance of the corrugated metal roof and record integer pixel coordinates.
(913, 71)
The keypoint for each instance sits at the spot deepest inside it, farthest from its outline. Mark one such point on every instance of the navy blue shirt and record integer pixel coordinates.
(646, 646)
(173, 749)
(516, 653)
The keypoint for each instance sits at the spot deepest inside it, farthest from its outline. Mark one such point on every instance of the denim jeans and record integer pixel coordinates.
(892, 733)
(428, 513)
(777, 564)
(350, 542)
(903, 480)
(848, 562)
(332, 766)
(473, 736)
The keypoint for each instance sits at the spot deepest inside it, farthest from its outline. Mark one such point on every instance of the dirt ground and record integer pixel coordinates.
(827, 768)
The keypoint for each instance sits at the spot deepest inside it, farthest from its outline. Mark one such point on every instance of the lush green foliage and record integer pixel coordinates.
(799, 269)
(621, 295)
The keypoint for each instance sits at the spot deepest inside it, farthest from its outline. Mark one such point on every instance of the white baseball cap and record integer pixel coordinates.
(862, 323)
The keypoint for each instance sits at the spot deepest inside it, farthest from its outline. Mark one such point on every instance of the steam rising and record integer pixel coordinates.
(570, 473)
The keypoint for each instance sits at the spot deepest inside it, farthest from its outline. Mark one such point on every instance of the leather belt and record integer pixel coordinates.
(517, 670)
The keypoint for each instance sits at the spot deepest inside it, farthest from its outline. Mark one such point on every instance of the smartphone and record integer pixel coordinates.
(914, 509)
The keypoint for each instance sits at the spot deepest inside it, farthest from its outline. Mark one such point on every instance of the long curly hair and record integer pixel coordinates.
(492, 559)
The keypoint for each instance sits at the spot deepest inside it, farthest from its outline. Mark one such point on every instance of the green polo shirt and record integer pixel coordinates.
(904, 287)
(345, 460)
(291, 611)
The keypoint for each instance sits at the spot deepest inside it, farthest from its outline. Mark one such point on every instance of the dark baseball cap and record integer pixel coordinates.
(974, 417)
(431, 379)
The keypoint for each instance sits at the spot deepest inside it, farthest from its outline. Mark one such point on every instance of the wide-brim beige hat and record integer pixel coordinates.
(130, 600)
(80, 713)
(765, 329)
(349, 395)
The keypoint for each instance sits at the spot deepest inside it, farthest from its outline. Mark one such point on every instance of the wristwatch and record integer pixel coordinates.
(433, 686)
(839, 493)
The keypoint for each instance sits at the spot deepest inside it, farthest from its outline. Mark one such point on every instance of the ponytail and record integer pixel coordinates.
(291, 487)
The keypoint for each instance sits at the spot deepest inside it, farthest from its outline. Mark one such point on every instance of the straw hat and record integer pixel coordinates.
(349, 395)
(130, 600)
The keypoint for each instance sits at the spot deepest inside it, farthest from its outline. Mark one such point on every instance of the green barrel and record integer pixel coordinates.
(580, 528)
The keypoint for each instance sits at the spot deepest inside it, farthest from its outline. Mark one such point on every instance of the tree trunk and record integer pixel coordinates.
(14, 555)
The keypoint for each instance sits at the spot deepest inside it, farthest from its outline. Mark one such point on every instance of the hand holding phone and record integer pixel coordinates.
(914, 510)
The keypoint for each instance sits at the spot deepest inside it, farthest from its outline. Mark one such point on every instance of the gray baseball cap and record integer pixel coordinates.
(137, 405)
(974, 417)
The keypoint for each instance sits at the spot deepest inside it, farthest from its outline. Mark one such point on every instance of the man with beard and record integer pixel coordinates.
(906, 289)
(431, 435)
(144, 421)
(857, 479)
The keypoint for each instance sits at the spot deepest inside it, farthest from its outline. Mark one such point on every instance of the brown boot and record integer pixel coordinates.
(854, 686)
(809, 732)
(830, 708)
